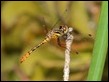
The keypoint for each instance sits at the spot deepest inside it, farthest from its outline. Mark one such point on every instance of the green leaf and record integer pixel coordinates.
(100, 46)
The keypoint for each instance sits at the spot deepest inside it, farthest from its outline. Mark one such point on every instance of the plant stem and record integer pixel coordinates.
(100, 46)
(69, 41)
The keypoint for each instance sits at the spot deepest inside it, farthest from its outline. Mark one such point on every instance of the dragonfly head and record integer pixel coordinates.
(63, 29)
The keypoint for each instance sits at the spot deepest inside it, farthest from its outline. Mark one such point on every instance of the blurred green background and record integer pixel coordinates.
(22, 27)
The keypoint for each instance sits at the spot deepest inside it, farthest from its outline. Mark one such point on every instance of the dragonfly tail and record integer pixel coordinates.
(23, 58)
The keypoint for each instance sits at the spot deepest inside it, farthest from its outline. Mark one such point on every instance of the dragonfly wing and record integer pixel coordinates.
(45, 26)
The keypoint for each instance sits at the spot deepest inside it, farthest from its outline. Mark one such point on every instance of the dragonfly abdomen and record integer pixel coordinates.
(23, 58)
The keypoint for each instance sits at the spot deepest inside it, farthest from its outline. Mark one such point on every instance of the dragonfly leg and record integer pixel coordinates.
(59, 43)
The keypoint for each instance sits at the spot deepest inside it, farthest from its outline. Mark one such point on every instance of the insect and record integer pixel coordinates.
(54, 33)
(58, 32)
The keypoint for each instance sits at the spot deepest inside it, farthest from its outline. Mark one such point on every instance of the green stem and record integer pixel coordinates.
(100, 46)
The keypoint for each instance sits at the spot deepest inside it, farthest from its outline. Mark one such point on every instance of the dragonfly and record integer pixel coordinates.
(58, 32)
(54, 33)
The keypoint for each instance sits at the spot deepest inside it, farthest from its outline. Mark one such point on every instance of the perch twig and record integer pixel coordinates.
(69, 41)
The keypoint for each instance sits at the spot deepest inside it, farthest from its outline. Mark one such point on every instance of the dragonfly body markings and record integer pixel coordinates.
(54, 33)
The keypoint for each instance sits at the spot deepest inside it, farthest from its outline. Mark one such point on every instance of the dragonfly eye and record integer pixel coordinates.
(60, 27)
